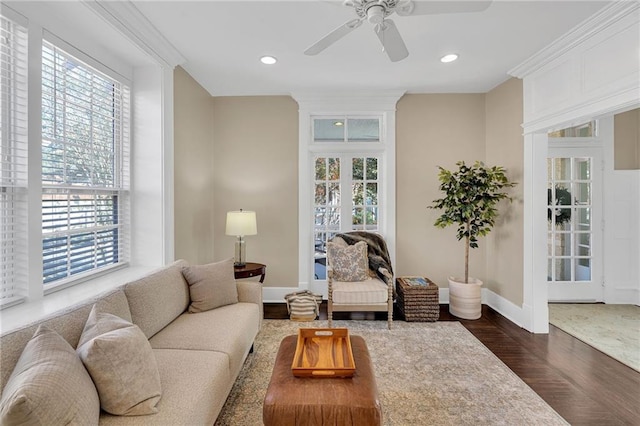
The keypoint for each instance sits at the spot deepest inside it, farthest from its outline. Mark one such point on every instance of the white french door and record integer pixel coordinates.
(346, 198)
(575, 221)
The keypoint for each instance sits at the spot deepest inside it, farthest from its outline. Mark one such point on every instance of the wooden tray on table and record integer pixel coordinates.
(323, 352)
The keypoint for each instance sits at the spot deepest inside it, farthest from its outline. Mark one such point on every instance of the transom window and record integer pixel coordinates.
(346, 129)
(85, 151)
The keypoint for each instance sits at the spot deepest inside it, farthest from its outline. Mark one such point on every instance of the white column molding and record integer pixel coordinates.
(310, 104)
(591, 72)
(535, 314)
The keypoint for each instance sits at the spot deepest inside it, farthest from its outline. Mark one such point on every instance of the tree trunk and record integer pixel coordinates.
(466, 257)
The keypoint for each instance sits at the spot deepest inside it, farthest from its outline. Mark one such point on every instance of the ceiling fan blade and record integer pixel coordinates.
(392, 41)
(416, 7)
(333, 36)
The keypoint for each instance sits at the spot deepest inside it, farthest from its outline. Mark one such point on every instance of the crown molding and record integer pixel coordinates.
(126, 18)
(601, 20)
(374, 100)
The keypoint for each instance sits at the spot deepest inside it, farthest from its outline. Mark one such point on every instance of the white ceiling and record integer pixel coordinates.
(223, 40)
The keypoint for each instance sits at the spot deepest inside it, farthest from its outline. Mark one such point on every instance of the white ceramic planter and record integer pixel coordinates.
(464, 298)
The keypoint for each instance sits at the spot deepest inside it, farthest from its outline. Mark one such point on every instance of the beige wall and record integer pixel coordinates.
(193, 175)
(246, 149)
(505, 147)
(627, 140)
(255, 167)
(434, 130)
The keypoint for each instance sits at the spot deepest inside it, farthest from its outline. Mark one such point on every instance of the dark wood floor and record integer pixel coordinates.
(582, 384)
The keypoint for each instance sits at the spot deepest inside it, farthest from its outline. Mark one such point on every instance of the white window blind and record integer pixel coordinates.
(13, 161)
(85, 168)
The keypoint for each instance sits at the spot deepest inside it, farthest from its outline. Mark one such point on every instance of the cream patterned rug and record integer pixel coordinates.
(612, 329)
(427, 373)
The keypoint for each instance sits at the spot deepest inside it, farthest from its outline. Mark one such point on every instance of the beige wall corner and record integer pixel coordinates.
(193, 179)
(433, 130)
(256, 168)
(505, 147)
(627, 140)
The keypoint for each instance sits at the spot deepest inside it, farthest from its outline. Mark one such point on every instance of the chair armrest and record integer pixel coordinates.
(251, 292)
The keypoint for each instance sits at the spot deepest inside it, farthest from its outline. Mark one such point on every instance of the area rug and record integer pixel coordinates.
(612, 329)
(427, 373)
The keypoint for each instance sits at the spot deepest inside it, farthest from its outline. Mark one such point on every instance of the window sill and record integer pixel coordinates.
(17, 316)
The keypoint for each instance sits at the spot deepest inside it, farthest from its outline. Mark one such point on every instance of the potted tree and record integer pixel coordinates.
(471, 195)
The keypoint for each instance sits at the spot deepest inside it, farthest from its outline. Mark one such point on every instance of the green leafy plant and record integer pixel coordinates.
(471, 195)
(557, 214)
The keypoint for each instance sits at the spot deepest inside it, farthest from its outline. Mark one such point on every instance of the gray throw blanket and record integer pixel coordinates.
(376, 247)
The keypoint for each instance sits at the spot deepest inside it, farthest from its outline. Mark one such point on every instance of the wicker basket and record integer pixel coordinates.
(418, 299)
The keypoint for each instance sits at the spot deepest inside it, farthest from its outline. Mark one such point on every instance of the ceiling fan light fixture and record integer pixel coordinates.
(449, 58)
(268, 60)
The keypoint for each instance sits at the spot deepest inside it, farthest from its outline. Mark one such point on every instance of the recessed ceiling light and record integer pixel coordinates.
(268, 60)
(338, 123)
(449, 58)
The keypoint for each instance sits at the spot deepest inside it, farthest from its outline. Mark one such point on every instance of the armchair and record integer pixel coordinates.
(359, 279)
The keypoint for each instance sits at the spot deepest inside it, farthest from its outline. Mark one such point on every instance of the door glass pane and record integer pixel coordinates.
(582, 193)
(321, 193)
(372, 193)
(562, 244)
(584, 219)
(583, 270)
(358, 217)
(372, 168)
(334, 194)
(334, 169)
(563, 270)
(358, 194)
(363, 129)
(321, 169)
(358, 168)
(562, 169)
(371, 217)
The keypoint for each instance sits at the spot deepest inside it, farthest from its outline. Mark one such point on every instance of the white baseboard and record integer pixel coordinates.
(276, 294)
(504, 307)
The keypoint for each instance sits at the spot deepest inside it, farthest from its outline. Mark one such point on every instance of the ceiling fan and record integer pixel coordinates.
(376, 12)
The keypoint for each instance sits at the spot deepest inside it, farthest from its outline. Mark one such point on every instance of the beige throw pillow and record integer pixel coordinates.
(211, 286)
(121, 363)
(49, 385)
(349, 263)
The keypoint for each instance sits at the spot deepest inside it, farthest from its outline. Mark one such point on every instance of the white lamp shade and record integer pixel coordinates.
(241, 222)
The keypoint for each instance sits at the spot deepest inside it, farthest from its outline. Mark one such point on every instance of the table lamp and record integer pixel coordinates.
(241, 223)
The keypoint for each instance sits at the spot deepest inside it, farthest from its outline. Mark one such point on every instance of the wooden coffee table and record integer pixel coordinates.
(312, 401)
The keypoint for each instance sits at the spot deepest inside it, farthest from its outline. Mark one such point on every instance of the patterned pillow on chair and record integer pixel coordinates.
(349, 263)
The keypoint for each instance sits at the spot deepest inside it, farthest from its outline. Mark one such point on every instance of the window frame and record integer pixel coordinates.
(326, 105)
(118, 189)
(14, 153)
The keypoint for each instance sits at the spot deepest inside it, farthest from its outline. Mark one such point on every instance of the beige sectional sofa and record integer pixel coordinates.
(199, 355)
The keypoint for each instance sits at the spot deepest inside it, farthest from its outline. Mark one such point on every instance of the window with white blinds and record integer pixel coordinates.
(13, 161)
(85, 168)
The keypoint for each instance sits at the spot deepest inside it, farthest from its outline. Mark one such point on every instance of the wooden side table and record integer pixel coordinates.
(250, 270)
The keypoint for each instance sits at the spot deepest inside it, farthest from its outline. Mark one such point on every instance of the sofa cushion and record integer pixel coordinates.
(211, 286)
(371, 291)
(157, 299)
(349, 263)
(228, 329)
(49, 385)
(120, 361)
(196, 384)
(67, 323)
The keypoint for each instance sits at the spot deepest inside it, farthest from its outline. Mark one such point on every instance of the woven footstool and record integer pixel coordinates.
(418, 302)
(313, 401)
